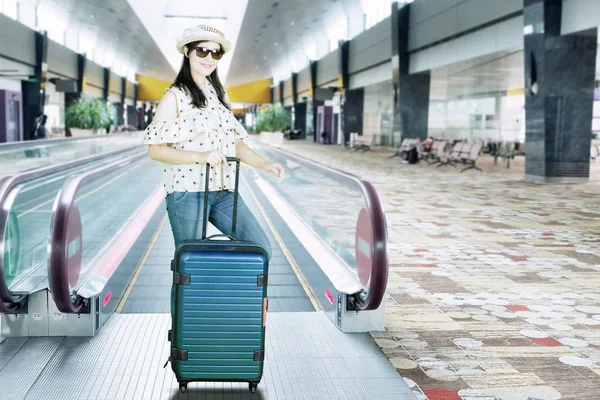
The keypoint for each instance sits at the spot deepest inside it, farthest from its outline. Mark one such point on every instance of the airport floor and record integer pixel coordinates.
(493, 290)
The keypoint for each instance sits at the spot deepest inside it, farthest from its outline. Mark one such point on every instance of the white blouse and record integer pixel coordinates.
(213, 127)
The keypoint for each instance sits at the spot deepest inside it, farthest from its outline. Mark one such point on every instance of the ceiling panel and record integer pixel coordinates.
(166, 20)
(109, 32)
(279, 37)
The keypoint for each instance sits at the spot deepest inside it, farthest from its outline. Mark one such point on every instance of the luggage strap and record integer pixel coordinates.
(181, 279)
(261, 280)
(178, 354)
(259, 355)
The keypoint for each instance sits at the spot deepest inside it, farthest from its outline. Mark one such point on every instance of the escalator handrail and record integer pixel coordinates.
(58, 273)
(8, 303)
(9, 146)
(380, 262)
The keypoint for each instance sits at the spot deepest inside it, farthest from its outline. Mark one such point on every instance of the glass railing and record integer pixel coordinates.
(25, 156)
(26, 202)
(93, 217)
(344, 211)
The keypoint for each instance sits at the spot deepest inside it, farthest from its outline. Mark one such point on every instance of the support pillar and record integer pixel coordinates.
(352, 101)
(121, 106)
(559, 95)
(411, 92)
(299, 108)
(34, 89)
(313, 93)
(72, 97)
(281, 92)
(295, 88)
(106, 85)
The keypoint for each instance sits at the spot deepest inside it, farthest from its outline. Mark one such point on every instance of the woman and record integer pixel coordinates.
(193, 126)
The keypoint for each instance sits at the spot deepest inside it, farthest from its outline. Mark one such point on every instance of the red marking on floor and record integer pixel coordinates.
(517, 307)
(519, 258)
(329, 296)
(107, 298)
(547, 234)
(421, 250)
(429, 265)
(544, 215)
(547, 342)
(442, 224)
(441, 394)
(567, 245)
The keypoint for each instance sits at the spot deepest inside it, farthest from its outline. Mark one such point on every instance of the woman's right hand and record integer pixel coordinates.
(215, 157)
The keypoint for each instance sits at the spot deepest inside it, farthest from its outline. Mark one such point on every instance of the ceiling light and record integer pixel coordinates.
(292, 23)
(275, 43)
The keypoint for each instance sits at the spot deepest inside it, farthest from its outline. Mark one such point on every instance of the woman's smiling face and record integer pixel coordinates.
(203, 66)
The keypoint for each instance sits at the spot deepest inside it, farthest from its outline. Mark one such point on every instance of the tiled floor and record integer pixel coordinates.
(494, 286)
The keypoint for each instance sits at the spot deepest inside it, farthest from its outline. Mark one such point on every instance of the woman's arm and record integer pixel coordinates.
(248, 156)
(167, 110)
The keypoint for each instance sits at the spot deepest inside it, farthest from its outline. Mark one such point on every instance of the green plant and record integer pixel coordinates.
(88, 113)
(272, 118)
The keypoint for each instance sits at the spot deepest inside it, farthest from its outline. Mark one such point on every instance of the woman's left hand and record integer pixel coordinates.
(275, 169)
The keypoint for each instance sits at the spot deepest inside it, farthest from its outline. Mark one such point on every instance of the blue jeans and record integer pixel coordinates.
(186, 210)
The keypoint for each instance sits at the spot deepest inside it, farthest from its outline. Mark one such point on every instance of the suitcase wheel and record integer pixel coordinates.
(253, 387)
(182, 387)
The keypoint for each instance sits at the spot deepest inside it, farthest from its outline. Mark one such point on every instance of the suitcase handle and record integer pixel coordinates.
(236, 194)
(221, 235)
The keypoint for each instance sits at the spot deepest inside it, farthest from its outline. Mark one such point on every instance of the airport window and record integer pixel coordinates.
(10, 8)
(50, 22)
(333, 44)
(376, 11)
(86, 42)
(337, 31)
(310, 47)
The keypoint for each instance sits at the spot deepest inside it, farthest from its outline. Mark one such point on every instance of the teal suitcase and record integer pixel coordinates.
(219, 308)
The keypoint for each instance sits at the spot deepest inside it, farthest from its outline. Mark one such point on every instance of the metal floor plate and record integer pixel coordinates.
(307, 358)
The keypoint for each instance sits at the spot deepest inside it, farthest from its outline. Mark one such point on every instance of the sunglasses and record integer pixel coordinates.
(203, 52)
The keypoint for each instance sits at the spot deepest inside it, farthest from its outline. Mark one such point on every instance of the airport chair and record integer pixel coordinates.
(472, 157)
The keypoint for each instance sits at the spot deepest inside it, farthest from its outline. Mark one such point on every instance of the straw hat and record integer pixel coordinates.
(203, 33)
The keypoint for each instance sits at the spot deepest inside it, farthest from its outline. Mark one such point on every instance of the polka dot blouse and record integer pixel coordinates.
(198, 129)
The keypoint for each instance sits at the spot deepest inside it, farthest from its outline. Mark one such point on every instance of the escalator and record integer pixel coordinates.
(27, 200)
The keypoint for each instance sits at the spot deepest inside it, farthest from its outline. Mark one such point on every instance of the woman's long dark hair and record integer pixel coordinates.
(185, 82)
